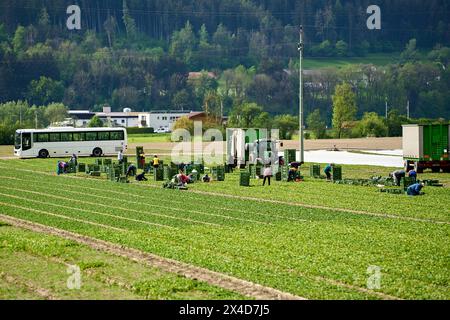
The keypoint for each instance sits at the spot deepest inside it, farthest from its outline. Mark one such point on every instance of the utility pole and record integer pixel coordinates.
(407, 110)
(386, 102)
(300, 97)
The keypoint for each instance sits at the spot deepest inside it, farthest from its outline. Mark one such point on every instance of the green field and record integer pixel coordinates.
(312, 239)
(378, 59)
(34, 266)
(148, 137)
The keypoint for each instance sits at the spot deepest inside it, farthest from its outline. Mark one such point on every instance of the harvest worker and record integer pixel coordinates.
(142, 159)
(327, 170)
(155, 161)
(206, 178)
(412, 174)
(74, 159)
(267, 174)
(131, 171)
(141, 177)
(398, 175)
(120, 156)
(414, 190)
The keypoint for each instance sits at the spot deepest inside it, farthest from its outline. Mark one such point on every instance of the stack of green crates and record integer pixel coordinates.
(200, 167)
(90, 167)
(218, 173)
(289, 155)
(337, 173)
(99, 162)
(81, 167)
(408, 181)
(168, 172)
(284, 173)
(107, 162)
(244, 179)
(315, 170)
(158, 174)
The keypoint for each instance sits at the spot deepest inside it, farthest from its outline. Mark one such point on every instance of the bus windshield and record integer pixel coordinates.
(17, 141)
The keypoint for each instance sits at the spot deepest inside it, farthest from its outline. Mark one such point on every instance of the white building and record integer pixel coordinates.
(160, 119)
(127, 118)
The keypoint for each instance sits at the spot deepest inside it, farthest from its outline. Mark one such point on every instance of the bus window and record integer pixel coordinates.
(55, 137)
(117, 135)
(26, 141)
(91, 136)
(79, 136)
(66, 136)
(17, 141)
(41, 137)
(103, 135)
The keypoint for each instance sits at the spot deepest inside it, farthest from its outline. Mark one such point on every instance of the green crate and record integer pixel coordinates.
(407, 181)
(90, 167)
(98, 161)
(168, 172)
(284, 173)
(158, 174)
(314, 171)
(95, 173)
(107, 162)
(244, 179)
(337, 173)
(218, 173)
(278, 176)
(289, 155)
(81, 167)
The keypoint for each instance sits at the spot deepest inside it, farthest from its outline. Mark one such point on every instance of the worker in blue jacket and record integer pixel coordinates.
(414, 190)
(327, 171)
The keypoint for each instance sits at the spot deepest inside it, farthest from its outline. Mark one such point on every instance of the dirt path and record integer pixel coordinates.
(211, 277)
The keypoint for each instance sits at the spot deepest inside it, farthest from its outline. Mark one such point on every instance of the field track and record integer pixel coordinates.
(214, 278)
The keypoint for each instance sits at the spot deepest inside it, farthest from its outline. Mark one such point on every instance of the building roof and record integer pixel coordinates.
(197, 75)
(195, 114)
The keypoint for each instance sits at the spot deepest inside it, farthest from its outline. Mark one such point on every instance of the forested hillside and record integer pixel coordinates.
(138, 54)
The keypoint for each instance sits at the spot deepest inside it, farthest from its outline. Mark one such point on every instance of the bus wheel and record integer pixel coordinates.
(43, 153)
(97, 152)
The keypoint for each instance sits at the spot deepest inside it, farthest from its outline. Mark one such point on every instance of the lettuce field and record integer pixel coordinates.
(313, 239)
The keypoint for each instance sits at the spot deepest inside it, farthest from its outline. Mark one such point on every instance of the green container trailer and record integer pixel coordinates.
(81, 167)
(218, 173)
(169, 172)
(426, 147)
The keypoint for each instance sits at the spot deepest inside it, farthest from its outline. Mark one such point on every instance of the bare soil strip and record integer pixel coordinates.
(243, 287)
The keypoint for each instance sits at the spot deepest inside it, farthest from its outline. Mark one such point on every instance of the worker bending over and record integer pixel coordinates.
(141, 177)
(398, 175)
(414, 190)
(131, 171)
(327, 171)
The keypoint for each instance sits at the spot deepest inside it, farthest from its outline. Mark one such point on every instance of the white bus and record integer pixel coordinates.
(65, 141)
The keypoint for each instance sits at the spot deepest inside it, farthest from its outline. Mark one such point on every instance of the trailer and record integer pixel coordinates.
(426, 147)
(249, 146)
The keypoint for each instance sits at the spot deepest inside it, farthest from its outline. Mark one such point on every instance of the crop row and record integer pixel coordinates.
(285, 256)
(433, 206)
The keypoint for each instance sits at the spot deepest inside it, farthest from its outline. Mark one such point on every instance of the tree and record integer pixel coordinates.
(184, 123)
(287, 124)
(342, 48)
(183, 43)
(110, 27)
(243, 116)
(95, 122)
(45, 90)
(56, 112)
(182, 100)
(128, 21)
(410, 53)
(19, 42)
(316, 124)
(372, 125)
(344, 107)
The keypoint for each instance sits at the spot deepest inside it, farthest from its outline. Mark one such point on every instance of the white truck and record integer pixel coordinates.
(249, 146)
